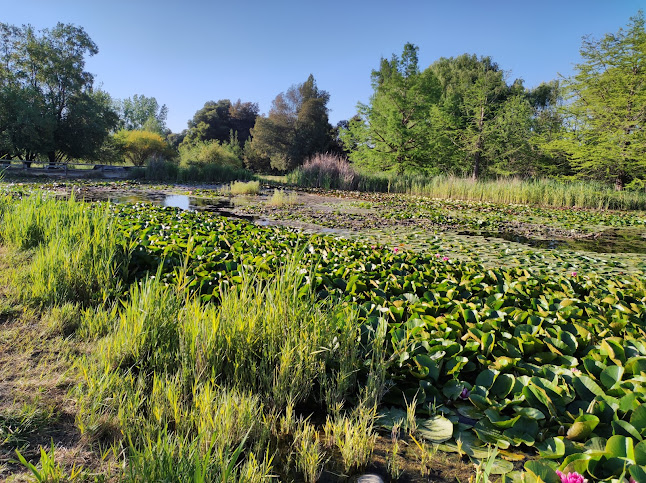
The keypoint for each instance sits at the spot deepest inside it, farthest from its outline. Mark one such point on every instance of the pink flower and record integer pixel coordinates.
(445, 259)
(437, 255)
(571, 477)
(632, 480)
(574, 274)
(395, 249)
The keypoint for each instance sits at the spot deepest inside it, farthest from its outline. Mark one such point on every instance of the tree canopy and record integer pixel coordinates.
(48, 107)
(297, 127)
(142, 113)
(217, 121)
(604, 132)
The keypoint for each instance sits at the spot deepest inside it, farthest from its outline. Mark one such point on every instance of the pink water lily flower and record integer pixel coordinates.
(574, 274)
(395, 249)
(445, 259)
(573, 477)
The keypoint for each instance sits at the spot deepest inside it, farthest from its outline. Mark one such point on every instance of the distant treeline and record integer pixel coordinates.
(459, 116)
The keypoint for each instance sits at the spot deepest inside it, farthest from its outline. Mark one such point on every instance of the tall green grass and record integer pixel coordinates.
(183, 384)
(333, 174)
(206, 173)
(77, 253)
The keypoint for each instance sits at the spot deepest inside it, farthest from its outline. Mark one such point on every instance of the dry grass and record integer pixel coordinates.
(36, 368)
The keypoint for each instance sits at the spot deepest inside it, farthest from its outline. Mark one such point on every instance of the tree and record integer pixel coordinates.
(142, 113)
(473, 92)
(393, 132)
(606, 113)
(217, 120)
(297, 127)
(47, 105)
(140, 146)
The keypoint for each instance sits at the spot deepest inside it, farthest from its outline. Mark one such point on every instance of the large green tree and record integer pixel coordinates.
(297, 127)
(142, 113)
(47, 105)
(474, 92)
(216, 121)
(394, 131)
(605, 115)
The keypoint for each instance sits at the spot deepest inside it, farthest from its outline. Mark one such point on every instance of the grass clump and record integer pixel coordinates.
(169, 171)
(77, 254)
(242, 188)
(187, 384)
(280, 198)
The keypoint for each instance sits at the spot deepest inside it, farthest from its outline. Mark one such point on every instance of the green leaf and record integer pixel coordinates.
(551, 448)
(582, 427)
(620, 447)
(436, 429)
(611, 375)
(577, 462)
(531, 413)
(543, 471)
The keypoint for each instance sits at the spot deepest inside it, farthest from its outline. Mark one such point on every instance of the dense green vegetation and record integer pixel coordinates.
(187, 311)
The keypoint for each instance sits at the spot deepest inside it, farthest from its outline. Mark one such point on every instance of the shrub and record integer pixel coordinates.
(209, 153)
(241, 188)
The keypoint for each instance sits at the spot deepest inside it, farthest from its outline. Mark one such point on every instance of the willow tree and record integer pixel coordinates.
(296, 128)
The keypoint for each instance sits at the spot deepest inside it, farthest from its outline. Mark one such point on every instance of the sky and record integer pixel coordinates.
(187, 52)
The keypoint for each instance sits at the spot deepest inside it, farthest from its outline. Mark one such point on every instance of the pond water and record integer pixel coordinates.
(626, 240)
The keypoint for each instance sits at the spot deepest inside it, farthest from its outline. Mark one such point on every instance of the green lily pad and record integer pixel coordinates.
(436, 429)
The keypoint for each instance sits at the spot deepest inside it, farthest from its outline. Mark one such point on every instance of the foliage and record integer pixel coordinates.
(470, 112)
(297, 127)
(209, 152)
(141, 146)
(393, 132)
(141, 113)
(325, 171)
(605, 136)
(77, 253)
(248, 188)
(216, 121)
(164, 170)
(47, 105)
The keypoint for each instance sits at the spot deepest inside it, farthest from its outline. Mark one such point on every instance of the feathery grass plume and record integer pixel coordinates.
(329, 171)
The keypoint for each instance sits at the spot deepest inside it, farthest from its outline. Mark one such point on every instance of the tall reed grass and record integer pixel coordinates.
(183, 384)
(77, 254)
(207, 173)
(331, 172)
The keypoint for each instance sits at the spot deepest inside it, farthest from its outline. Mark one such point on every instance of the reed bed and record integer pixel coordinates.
(332, 172)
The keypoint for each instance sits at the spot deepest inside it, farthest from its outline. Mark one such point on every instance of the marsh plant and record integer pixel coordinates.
(77, 253)
(245, 188)
(280, 198)
(187, 381)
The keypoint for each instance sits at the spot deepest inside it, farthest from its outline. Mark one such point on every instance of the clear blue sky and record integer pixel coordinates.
(187, 52)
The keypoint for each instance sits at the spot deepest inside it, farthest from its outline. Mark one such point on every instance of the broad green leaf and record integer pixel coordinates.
(541, 470)
(620, 447)
(582, 427)
(436, 429)
(611, 375)
(551, 448)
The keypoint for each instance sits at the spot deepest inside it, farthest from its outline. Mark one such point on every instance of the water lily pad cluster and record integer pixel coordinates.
(516, 357)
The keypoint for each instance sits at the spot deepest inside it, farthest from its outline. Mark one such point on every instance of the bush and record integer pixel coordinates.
(161, 170)
(203, 153)
(250, 188)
